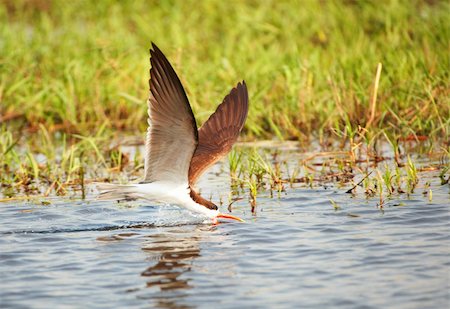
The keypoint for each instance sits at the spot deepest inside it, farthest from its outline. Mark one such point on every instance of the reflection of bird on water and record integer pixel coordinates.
(176, 250)
(173, 262)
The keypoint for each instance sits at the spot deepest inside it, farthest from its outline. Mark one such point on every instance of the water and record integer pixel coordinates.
(296, 251)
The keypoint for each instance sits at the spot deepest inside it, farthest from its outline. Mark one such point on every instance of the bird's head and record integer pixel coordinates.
(216, 215)
(210, 209)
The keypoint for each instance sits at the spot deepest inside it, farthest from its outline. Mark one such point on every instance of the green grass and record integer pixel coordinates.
(364, 176)
(74, 76)
(310, 65)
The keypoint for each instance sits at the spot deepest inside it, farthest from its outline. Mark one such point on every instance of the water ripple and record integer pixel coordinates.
(296, 251)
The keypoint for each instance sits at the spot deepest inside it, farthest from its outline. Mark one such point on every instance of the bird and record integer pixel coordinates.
(176, 152)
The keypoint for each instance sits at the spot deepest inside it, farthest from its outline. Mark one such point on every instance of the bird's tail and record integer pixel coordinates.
(109, 191)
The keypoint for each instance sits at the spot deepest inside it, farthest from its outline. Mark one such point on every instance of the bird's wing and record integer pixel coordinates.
(172, 134)
(220, 131)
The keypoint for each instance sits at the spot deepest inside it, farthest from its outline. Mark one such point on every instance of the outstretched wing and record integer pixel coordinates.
(220, 131)
(172, 134)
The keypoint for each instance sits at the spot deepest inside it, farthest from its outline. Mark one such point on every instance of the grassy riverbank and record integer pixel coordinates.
(73, 77)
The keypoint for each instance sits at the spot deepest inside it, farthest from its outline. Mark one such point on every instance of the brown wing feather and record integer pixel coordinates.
(198, 199)
(172, 135)
(218, 134)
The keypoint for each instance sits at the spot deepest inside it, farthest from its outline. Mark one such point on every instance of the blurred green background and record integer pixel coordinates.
(78, 67)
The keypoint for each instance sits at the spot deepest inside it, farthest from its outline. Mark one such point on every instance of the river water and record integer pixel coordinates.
(294, 251)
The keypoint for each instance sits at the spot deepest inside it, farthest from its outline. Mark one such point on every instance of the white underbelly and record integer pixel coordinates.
(174, 195)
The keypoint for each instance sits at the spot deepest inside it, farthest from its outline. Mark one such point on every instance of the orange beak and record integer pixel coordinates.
(225, 216)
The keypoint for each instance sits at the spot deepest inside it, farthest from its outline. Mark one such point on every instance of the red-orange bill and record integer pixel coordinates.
(226, 216)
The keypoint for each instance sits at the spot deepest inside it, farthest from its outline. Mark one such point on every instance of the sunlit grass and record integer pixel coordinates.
(382, 181)
(74, 80)
(310, 65)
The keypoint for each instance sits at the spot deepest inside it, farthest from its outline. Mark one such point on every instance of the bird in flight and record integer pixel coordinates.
(176, 153)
